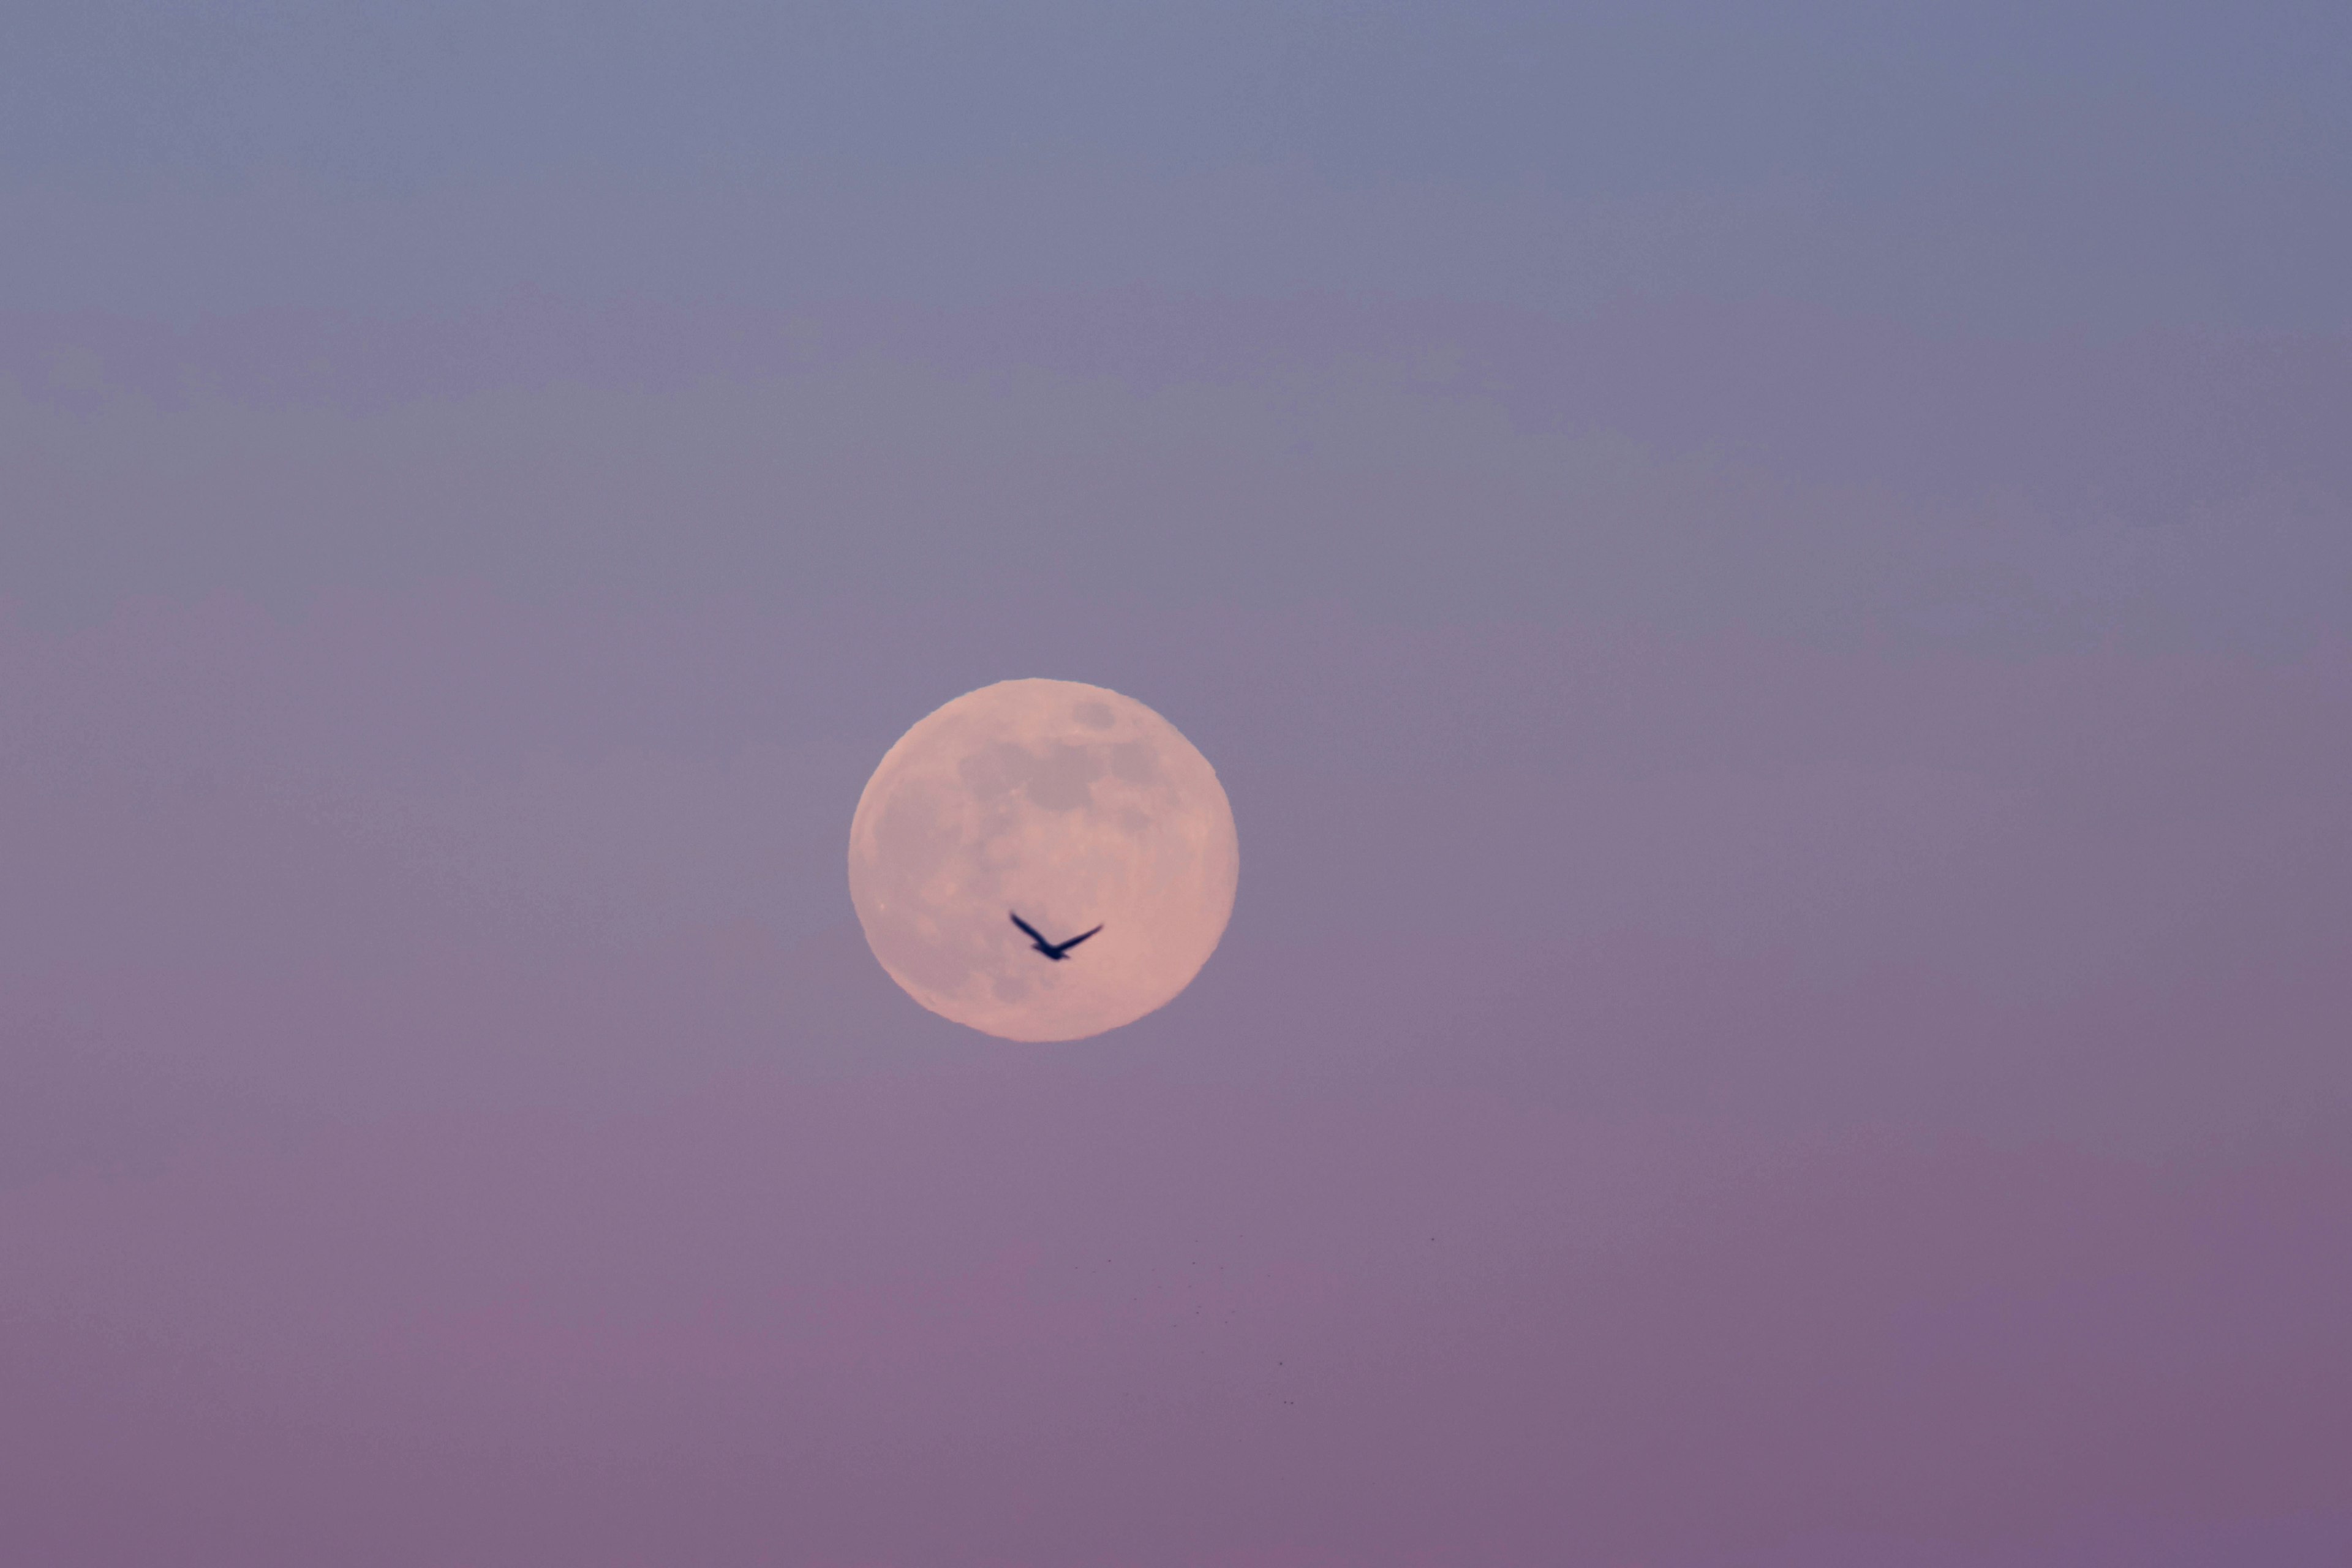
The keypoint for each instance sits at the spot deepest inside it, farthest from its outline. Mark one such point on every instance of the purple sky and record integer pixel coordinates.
(1771, 588)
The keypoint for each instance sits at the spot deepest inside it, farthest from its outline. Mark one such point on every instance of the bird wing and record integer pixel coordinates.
(1026, 926)
(1077, 939)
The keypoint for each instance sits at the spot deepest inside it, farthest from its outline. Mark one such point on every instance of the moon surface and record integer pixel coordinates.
(1073, 807)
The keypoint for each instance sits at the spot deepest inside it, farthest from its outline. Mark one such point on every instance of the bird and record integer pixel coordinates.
(1056, 950)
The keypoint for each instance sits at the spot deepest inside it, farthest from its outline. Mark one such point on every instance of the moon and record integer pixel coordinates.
(1070, 804)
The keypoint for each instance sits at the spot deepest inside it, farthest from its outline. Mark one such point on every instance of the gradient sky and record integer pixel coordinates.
(1771, 588)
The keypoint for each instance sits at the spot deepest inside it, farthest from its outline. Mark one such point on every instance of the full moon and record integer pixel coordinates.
(1069, 805)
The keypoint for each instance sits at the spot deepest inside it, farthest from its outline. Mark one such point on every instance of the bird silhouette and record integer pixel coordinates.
(1056, 950)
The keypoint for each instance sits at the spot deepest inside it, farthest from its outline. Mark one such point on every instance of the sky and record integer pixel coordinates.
(1770, 588)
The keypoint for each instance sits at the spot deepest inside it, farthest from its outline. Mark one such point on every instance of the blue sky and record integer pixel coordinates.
(2001, 166)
